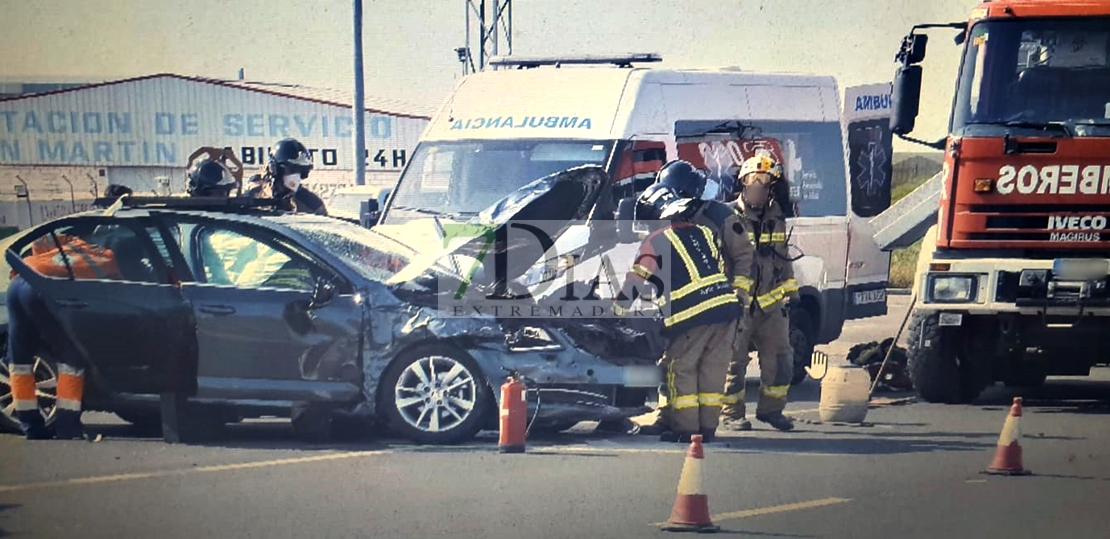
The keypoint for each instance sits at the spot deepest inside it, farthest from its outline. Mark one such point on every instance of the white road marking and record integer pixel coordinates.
(748, 513)
(187, 471)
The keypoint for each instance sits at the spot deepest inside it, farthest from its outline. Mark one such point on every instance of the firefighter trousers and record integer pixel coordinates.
(694, 367)
(770, 332)
(30, 330)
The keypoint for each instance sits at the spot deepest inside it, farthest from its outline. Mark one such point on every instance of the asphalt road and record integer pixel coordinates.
(911, 470)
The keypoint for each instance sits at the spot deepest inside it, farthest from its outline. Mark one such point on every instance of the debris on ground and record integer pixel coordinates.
(895, 376)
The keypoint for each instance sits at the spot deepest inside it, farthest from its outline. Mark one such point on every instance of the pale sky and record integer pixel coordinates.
(409, 44)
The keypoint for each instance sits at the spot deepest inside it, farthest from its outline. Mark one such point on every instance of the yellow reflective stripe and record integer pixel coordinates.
(743, 283)
(697, 284)
(775, 295)
(697, 281)
(774, 237)
(789, 285)
(683, 316)
(641, 271)
(709, 237)
(672, 390)
(775, 392)
(686, 401)
(732, 399)
(711, 399)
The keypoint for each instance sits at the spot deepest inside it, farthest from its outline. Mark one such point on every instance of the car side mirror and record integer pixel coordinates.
(905, 99)
(322, 293)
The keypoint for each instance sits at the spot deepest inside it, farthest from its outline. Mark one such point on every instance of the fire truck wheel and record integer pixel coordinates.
(434, 394)
(933, 363)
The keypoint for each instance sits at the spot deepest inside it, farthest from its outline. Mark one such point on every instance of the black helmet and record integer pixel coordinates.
(685, 180)
(116, 190)
(288, 156)
(650, 204)
(209, 178)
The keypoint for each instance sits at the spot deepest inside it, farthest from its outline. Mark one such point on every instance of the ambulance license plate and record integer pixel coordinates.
(951, 319)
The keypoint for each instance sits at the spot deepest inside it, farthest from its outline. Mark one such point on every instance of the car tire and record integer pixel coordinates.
(450, 420)
(46, 382)
(934, 364)
(801, 341)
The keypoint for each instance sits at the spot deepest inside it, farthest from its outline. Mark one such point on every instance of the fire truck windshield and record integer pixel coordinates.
(1048, 74)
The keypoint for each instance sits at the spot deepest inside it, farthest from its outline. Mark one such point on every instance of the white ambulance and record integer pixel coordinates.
(504, 128)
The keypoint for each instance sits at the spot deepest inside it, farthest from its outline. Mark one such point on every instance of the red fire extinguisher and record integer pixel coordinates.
(514, 414)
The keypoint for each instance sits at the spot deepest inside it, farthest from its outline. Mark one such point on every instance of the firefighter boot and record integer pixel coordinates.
(777, 420)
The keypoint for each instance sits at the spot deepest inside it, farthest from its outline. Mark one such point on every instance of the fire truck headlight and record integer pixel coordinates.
(951, 288)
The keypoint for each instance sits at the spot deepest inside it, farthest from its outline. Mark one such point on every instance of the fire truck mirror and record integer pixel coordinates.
(905, 97)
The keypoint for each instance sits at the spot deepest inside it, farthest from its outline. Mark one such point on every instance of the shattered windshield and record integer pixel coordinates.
(1029, 73)
(374, 256)
(456, 180)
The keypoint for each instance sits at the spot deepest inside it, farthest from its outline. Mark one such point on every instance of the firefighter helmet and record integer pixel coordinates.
(288, 156)
(760, 163)
(683, 178)
(210, 178)
(650, 204)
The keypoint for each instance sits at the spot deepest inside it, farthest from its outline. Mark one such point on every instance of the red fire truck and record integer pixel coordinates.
(1013, 281)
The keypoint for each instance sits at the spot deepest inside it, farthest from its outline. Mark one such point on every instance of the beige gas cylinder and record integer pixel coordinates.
(844, 394)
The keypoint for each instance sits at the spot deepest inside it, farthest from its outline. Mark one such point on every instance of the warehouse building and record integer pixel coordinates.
(59, 149)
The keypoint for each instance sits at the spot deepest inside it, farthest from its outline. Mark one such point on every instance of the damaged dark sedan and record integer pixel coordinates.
(252, 312)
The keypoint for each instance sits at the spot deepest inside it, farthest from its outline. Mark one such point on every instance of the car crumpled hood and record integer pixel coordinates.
(555, 200)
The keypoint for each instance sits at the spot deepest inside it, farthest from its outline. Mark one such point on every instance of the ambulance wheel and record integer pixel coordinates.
(801, 341)
(434, 394)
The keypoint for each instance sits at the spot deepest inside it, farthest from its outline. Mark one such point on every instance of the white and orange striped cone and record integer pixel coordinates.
(1007, 457)
(691, 506)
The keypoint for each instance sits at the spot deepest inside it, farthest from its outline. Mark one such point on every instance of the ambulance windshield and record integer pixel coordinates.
(456, 180)
(1036, 74)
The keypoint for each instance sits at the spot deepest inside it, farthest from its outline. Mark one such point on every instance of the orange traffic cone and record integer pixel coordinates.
(691, 507)
(1007, 457)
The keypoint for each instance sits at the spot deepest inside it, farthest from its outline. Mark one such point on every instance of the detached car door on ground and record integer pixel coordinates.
(274, 323)
(130, 326)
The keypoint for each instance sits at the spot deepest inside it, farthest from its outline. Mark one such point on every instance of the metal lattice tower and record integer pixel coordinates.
(494, 28)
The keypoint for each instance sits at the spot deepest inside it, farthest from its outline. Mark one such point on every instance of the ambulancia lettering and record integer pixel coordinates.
(1054, 180)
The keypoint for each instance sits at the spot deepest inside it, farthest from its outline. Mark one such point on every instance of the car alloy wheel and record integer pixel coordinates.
(46, 387)
(436, 394)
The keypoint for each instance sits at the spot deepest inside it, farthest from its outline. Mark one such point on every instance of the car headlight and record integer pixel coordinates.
(952, 288)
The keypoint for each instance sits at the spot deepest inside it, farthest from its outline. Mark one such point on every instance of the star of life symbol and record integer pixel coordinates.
(871, 162)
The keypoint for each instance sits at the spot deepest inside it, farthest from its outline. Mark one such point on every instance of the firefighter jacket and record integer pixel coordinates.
(86, 260)
(772, 270)
(726, 222)
(684, 261)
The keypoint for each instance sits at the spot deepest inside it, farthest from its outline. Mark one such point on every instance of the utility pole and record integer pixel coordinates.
(495, 25)
(358, 108)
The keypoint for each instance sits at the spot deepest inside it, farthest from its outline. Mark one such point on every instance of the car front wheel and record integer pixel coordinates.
(434, 395)
(46, 386)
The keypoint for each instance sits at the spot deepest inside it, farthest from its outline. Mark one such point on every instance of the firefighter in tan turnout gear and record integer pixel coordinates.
(701, 312)
(774, 287)
(725, 222)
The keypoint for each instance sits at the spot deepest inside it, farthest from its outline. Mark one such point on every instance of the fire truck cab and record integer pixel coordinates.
(1013, 280)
